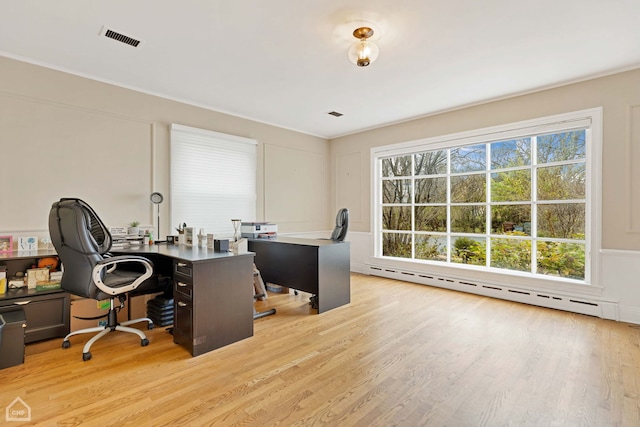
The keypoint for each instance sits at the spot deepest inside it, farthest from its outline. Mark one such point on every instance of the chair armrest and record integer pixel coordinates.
(110, 263)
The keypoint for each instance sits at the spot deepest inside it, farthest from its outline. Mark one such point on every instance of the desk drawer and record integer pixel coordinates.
(183, 287)
(183, 322)
(183, 270)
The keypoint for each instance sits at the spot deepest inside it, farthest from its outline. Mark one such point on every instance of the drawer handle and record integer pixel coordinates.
(23, 302)
(182, 285)
(182, 264)
(181, 304)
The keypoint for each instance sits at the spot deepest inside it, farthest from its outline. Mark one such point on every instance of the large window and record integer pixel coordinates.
(213, 179)
(515, 198)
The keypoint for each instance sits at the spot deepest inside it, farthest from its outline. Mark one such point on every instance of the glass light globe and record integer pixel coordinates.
(363, 52)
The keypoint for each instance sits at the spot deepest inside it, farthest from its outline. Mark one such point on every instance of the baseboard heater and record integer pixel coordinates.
(542, 299)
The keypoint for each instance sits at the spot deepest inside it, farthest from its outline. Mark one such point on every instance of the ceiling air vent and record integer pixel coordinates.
(335, 114)
(120, 37)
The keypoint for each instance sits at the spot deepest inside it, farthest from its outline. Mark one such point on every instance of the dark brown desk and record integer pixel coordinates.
(317, 266)
(212, 291)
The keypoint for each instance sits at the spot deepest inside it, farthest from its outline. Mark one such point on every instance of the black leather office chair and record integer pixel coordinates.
(342, 225)
(82, 242)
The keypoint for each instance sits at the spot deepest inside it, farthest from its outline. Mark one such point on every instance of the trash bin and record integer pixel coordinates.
(12, 338)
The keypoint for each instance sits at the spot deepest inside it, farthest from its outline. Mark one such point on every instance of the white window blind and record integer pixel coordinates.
(213, 179)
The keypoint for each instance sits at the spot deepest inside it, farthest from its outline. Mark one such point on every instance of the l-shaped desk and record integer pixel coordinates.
(213, 292)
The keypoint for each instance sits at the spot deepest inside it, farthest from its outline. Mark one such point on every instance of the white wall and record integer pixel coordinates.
(68, 136)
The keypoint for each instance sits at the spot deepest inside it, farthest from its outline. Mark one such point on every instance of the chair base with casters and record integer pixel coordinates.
(111, 326)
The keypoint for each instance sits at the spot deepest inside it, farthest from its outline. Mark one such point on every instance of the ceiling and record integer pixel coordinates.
(284, 62)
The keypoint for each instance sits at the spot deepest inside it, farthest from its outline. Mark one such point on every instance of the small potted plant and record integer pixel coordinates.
(133, 228)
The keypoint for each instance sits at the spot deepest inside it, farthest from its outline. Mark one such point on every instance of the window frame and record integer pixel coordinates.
(589, 119)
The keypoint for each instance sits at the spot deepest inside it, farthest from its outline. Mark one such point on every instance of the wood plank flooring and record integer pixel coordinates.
(400, 354)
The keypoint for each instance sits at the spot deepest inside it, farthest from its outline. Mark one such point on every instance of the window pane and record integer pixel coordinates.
(396, 191)
(431, 190)
(431, 218)
(511, 219)
(468, 219)
(562, 220)
(508, 154)
(561, 259)
(396, 218)
(431, 163)
(469, 159)
(562, 182)
(396, 166)
(433, 248)
(206, 189)
(468, 250)
(559, 147)
(512, 254)
(468, 188)
(512, 186)
(396, 245)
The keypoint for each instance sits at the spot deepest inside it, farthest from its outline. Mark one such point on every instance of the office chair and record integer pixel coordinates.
(342, 225)
(82, 242)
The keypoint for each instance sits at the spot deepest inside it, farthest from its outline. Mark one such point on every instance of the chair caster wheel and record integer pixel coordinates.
(66, 344)
(144, 342)
(86, 356)
(150, 326)
(313, 301)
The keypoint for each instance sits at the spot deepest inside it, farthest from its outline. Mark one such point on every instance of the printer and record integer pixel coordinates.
(259, 230)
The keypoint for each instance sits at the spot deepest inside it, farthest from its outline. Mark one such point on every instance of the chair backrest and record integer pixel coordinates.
(342, 225)
(81, 239)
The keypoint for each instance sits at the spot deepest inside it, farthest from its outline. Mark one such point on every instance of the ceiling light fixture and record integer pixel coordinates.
(363, 52)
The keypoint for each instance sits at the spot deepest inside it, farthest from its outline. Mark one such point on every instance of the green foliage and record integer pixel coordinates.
(468, 251)
(427, 247)
(561, 259)
(511, 254)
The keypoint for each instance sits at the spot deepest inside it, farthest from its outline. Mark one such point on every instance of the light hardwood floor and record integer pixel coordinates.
(399, 354)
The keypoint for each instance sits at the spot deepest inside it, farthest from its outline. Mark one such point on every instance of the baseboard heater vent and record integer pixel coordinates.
(584, 302)
(468, 284)
(549, 300)
(519, 292)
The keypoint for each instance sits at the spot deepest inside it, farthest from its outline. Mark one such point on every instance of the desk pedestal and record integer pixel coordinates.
(320, 267)
(213, 303)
